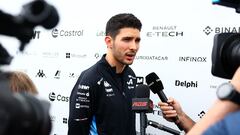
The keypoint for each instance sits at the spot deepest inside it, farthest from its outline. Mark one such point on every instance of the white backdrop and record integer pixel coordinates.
(172, 31)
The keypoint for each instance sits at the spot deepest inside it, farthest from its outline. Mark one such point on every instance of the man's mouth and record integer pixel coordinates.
(130, 56)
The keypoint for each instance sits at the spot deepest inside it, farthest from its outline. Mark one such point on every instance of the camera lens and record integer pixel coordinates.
(225, 54)
(24, 114)
(230, 54)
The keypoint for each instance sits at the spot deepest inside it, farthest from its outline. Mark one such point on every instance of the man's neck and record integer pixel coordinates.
(113, 63)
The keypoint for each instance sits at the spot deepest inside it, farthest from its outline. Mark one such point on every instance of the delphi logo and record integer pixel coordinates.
(186, 84)
(57, 97)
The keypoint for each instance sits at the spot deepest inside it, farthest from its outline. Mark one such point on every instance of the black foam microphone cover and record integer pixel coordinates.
(142, 91)
(156, 86)
(154, 82)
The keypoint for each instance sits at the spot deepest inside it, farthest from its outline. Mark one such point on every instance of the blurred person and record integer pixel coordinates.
(229, 125)
(223, 118)
(101, 100)
(20, 82)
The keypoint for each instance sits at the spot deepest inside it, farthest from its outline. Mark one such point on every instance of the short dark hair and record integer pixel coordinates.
(119, 21)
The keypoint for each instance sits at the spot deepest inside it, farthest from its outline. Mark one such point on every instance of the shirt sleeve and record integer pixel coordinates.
(229, 125)
(216, 129)
(80, 111)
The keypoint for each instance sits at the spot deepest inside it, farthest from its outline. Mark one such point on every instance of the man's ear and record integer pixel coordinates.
(108, 41)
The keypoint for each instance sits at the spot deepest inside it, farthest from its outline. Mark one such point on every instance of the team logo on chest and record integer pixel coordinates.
(130, 82)
(108, 89)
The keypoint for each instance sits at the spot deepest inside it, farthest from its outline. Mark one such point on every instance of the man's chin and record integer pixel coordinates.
(129, 63)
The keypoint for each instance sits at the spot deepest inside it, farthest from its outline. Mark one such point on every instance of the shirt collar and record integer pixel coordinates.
(113, 69)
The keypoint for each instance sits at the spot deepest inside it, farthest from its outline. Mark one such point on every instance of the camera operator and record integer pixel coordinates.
(21, 113)
(221, 119)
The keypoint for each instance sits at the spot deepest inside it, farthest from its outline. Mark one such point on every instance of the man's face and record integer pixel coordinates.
(125, 46)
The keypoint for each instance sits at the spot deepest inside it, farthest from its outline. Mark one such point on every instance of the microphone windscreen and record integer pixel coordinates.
(142, 91)
(154, 82)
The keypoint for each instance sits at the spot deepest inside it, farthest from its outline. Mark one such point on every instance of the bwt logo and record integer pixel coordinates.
(53, 97)
(36, 34)
(66, 33)
(186, 84)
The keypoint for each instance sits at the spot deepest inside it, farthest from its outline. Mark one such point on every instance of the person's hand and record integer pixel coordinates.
(236, 79)
(171, 109)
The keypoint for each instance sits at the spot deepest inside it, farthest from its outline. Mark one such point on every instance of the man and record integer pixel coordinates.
(100, 102)
(223, 118)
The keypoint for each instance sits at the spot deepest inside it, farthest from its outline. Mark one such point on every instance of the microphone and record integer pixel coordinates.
(162, 127)
(142, 104)
(156, 86)
(141, 101)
